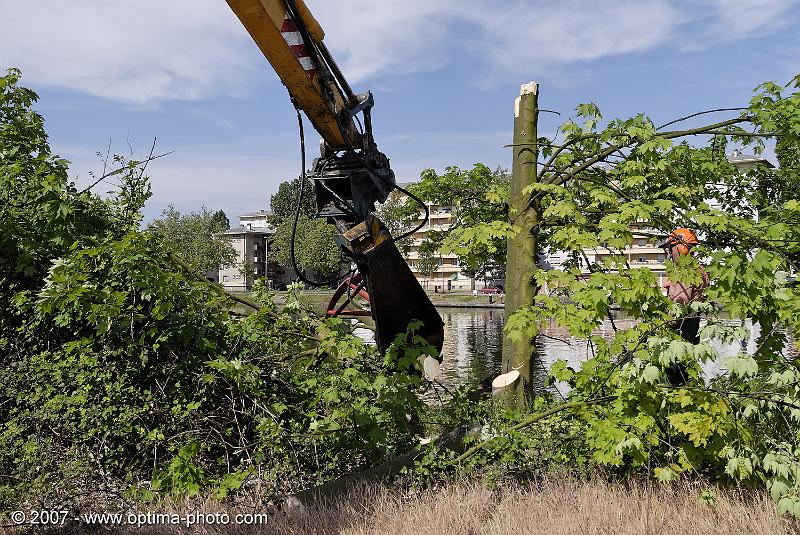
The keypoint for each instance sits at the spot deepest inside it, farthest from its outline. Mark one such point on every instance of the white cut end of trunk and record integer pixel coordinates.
(431, 368)
(531, 88)
(502, 382)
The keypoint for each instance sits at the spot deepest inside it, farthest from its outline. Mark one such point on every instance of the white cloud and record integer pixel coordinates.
(236, 184)
(733, 19)
(371, 36)
(137, 52)
(528, 37)
(153, 50)
(379, 38)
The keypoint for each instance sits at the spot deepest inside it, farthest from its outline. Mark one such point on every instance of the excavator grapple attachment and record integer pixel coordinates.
(397, 299)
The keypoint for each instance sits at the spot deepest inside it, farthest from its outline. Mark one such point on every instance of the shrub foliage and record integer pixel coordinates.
(123, 373)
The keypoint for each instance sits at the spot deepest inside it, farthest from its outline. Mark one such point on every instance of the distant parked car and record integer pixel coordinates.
(492, 290)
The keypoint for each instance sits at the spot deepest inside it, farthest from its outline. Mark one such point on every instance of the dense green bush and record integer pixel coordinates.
(122, 373)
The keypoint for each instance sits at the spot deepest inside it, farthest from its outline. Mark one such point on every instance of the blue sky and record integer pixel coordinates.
(444, 73)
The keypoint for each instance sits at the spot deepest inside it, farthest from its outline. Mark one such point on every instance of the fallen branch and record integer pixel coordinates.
(453, 440)
(533, 418)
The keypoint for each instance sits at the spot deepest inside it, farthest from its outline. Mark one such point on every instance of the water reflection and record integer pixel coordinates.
(473, 345)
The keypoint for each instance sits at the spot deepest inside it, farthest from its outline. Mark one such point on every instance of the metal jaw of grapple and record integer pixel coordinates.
(395, 296)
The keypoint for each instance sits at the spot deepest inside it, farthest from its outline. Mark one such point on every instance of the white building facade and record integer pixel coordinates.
(250, 240)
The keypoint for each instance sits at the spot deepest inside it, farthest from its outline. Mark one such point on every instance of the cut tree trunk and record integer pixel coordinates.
(522, 248)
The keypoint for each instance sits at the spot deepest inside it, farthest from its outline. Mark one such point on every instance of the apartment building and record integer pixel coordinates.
(250, 241)
(256, 221)
(643, 252)
(743, 161)
(447, 276)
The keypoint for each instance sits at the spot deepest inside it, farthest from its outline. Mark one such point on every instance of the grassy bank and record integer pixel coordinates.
(318, 300)
(549, 508)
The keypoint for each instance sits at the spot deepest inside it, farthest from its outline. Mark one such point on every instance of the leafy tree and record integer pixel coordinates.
(398, 219)
(197, 237)
(222, 220)
(601, 185)
(428, 260)
(783, 184)
(247, 270)
(315, 247)
(477, 196)
(42, 213)
(282, 204)
(119, 366)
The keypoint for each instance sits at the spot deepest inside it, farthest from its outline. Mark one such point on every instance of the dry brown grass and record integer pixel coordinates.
(552, 508)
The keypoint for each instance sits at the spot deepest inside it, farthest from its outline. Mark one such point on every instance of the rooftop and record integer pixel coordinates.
(260, 213)
(244, 230)
(741, 158)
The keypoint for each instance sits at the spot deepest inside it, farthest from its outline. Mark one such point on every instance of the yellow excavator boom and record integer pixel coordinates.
(283, 43)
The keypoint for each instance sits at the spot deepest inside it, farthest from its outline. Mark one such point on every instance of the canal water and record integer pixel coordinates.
(473, 343)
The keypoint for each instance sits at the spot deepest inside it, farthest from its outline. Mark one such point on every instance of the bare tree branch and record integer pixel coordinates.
(123, 169)
(681, 119)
